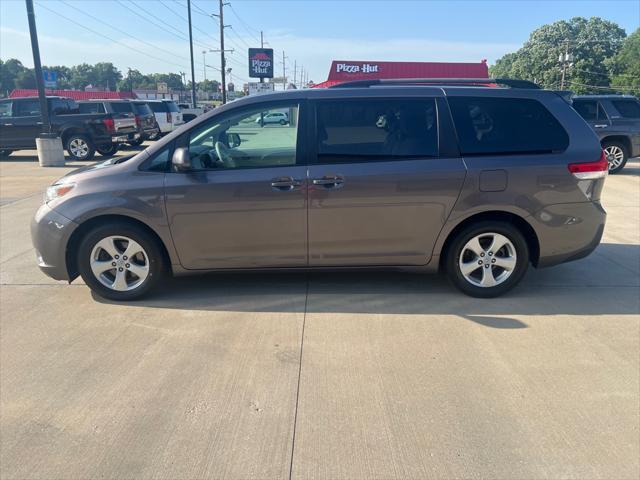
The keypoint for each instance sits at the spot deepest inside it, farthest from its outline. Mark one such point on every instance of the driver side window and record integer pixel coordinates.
(263, 137)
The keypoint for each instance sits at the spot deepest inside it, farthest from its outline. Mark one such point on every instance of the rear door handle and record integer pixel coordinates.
(601, 126)
(329, 181)
(285, 184)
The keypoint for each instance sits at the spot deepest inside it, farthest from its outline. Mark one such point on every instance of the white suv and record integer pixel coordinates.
(273, 117)
(167, 115)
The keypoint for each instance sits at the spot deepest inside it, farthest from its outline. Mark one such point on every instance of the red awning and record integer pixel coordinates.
(74, 94)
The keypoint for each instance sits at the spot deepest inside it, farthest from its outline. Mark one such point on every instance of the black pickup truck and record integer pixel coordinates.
(81, 133)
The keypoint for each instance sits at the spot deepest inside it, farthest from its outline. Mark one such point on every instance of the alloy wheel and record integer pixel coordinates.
(487, 260)
(119, 263)
(79, 147)
(615, 156)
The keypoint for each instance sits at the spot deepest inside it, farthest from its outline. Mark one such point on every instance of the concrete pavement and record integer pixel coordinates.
(341, 376)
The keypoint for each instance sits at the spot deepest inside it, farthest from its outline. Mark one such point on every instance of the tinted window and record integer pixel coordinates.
(27, 108)
(160, 163)
(372, 129)
(242, 140)
(121, 107)
(505, 125)
(5, 109)
(157, 107)
(142, 109)
(627, 108)
(172, 106)
(91, 107)
(590, 110)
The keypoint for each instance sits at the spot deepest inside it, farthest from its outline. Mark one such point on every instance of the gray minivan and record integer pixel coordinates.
(477, 181)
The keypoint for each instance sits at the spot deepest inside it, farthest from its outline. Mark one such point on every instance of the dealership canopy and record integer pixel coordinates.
(348, 70)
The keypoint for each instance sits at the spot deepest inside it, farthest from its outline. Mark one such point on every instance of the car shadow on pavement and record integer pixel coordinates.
(585, 287)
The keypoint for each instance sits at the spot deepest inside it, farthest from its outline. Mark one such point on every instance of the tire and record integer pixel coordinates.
(617, 155)
(136, 143)
(514, 255)
(79, 147)
(108, 150)
(130, 278)
(283, 122)
(5, 153)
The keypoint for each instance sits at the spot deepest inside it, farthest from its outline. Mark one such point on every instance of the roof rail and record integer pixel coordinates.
(472, 82)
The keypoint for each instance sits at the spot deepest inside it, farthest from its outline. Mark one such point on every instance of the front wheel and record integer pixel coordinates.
(108, 150)
(136, 143)
(120, 261)
(616, 154)
(487, 259)
(79, 147)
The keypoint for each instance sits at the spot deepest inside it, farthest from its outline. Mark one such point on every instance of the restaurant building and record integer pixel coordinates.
(349, 70)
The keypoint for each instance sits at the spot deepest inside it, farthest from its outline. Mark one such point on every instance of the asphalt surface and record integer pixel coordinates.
(341, 376)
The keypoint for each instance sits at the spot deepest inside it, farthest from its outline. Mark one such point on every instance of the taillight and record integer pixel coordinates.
(590, 170)
(168, 117)
(138, 121)
(109, 124)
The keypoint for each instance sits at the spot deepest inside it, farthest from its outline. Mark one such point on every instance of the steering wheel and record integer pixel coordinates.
(224, 154)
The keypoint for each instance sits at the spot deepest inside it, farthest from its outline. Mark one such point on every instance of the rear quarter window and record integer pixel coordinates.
(627, 108)
(502, 126)
(158, 107)
(121, 107)
(172, 106)
(142, 109)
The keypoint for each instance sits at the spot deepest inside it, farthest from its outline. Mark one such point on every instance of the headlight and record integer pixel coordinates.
(57, 191)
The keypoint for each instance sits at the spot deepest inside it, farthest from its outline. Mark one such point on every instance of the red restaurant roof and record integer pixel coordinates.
(348, 70)
(74, 94)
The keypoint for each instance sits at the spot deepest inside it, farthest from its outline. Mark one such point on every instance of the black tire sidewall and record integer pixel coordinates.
(92, 148)
(454, 250)
(136, 143)
(113, 149)
(624, 151)
(150, 245)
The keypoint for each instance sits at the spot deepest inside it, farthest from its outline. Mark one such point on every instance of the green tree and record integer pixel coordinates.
(105, 75)
(589, 42)
(15, 75)
(624, 67)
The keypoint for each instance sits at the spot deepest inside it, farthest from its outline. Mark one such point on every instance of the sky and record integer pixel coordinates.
(152, 35)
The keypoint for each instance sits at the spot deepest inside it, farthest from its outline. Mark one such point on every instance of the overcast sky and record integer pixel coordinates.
(151, 35)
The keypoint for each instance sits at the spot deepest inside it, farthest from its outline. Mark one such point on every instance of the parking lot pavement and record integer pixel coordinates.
(343, 376)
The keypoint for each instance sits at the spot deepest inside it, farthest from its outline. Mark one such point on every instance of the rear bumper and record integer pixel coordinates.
(568, 231)
(50, 233)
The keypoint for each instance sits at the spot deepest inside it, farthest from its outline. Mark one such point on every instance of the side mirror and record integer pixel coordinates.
(233, 140)
(181, 160)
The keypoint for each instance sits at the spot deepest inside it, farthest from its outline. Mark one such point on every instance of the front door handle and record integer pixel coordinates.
(285, 184)
(329, 181)
(601, 126)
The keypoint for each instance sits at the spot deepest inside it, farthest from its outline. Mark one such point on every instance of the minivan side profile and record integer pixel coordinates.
(476, 181)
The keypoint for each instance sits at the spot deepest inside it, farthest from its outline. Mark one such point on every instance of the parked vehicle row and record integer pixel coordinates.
(616, 121)
(479, 182)
(86, 126)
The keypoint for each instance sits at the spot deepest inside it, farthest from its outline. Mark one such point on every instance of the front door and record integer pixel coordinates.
(26, 122)
(379, 189)
(243, 204)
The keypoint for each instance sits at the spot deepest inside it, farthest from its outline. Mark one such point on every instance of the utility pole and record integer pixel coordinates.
(204, 64)
(35, 48)
(295, 68)
(261, 46)
(223, 64)
(284, 71)
(193, 72)
(564, 59)
(301, 77)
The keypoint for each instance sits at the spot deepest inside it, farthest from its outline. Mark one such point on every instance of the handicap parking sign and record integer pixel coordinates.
(50, 78)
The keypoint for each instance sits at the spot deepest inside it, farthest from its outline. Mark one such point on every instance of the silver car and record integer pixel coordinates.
(479, 182)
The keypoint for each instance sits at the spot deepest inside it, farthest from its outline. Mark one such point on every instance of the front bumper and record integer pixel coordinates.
(50, 233)
(568, 231)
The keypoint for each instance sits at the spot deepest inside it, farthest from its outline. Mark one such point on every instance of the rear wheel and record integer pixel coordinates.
(616, 154)
(108, 150)
(79, 147)
(487, 259)
(136, 143)
(120, 261)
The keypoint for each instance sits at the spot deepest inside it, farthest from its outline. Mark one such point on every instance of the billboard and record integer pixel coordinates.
(255, 88)
(261, 63)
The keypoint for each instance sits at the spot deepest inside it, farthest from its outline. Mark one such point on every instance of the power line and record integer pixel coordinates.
(244, 24)
(155, 47)
(183, 18)
(75, 22)
(600, 87)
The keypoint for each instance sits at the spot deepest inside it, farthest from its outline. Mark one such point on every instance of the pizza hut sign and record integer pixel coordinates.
(261, 62)
(357, 68)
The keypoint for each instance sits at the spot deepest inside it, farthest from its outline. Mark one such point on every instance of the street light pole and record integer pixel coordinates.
(193, 72)
(204, 64)
(35, 48)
